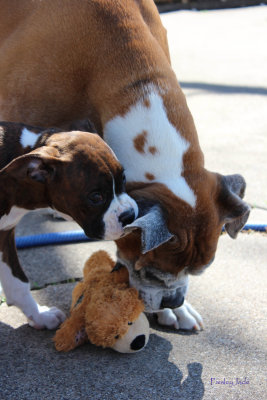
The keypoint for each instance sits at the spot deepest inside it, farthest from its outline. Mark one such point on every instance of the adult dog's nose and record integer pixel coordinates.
(127, 217)
(172, 301)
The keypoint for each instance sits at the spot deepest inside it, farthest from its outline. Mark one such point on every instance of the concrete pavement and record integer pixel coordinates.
(220, 58)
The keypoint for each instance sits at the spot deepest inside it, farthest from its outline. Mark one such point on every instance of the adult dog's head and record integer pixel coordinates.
(170, 239)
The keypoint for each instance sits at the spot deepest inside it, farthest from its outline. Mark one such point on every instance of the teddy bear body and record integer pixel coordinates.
(104, 310)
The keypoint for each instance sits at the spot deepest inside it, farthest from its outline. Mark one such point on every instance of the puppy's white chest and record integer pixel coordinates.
(149, 147)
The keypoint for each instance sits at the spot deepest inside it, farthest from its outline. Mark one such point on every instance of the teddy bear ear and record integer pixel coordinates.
(120, 273)
(100, 260)
(154, 230)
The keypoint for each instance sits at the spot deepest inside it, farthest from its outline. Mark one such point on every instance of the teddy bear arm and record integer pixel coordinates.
(77, 295)
(71, 334)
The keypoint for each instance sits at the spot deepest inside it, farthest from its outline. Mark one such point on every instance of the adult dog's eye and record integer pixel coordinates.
(174, 239)
(96, 198)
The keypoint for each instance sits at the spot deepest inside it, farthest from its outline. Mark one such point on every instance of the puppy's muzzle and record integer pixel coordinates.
(127, 217)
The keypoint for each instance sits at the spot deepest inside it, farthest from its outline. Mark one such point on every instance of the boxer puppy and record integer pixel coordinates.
(75, 173)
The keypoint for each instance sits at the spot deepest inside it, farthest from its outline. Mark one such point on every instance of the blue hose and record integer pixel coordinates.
(254, 227)
(55, 238)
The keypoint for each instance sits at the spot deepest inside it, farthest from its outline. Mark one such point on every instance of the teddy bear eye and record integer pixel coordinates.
(130, 323)
(117, 336)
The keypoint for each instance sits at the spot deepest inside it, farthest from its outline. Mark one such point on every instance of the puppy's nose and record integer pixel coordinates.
(172, 301)
(127, 217)
(138, 342)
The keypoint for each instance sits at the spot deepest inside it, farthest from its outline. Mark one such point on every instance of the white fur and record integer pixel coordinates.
(184, 317)
(167, 163)
(28, 138)
(18, 294)
(10, 220)
(119, 204)
(152, 293)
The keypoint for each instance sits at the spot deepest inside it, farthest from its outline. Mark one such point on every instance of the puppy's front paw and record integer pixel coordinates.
(47, 318)
(184, 317)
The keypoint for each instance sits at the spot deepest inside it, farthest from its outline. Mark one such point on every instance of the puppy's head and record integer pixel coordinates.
(170, 240)
(77, 174)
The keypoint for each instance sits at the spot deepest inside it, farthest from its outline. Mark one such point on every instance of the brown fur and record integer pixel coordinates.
(140, 141)
(97, 67)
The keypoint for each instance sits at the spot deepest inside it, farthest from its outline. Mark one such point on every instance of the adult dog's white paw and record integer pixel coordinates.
(47, 318)
(184, 317)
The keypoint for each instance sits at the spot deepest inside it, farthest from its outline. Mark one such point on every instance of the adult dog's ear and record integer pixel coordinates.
(235, 211)
(38, 165)
(154, 230)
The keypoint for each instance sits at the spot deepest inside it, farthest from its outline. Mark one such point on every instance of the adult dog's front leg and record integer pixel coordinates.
(17, 288)
(184, 317)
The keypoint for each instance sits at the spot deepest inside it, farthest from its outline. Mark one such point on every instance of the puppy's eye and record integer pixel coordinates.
(96, 198)
(117, 336)
(130, 323)
(123, 181)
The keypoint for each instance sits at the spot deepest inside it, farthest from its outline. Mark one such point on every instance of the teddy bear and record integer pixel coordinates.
(104, 310)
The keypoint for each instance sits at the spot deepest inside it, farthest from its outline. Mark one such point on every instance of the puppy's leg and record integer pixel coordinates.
(17, 288)
(184, 317)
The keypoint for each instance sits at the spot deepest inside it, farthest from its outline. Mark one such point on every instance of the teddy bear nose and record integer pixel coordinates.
(138, 342)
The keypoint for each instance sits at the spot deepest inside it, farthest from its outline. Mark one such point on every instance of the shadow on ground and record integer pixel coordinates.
(101, 373)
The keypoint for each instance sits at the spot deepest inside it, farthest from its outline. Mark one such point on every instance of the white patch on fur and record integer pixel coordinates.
(10, 220)
(166, 164)
(28, 138)
(119, 204)
(18, 293)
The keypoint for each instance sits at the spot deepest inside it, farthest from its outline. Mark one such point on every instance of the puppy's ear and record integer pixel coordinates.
(39, 165)
(154, 230)
(235, 210)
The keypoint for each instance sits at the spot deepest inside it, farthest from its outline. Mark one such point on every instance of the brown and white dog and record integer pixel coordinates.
(62, 60)
(75, 173)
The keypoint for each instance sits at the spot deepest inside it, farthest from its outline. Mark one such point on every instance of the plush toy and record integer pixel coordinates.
(104, 310)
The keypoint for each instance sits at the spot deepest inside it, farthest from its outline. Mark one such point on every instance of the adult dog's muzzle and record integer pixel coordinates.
(174, 300)
(158, 289)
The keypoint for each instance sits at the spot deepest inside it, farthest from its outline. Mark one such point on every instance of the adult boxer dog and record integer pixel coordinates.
(75, 173)
(108, 61)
